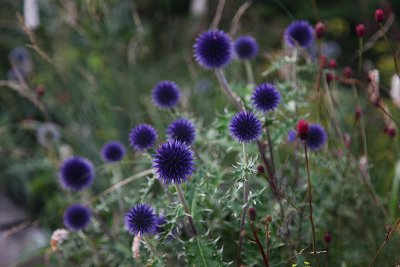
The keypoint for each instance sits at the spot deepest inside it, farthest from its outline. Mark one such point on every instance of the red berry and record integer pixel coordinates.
(332, 64)
(322, 61)
(360, 30)
(320, 30)
(391, 132)
(302, 129)
(347, 72)
(379, 15)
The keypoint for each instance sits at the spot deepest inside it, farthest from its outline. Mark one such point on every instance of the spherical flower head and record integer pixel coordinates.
(320, 30)
(316, 137)
(182, 130)
(76, 173)
(173, 162)
(142, 137)
(302, 129)
(246, 47)
(245, 127)
(379, 15)
(141, 219)
(77, 217)
(113, 151)
(213, 49)
(266, 97)
(299, 33)
(360, 30)
(166, 94)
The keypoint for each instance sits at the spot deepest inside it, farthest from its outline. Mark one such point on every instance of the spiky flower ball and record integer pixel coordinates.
(173, 162)
(142, 137)
(76, 173)
(141, 219)
(182, 130)
(213, 49)
(316, 137)
(245, 127)
(246, 47)
(77, 217)
(166, 94)
(266, 97)
(299, 33)
(113, 151)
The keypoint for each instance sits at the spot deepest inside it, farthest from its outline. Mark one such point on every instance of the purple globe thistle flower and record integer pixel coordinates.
(160, 224)
(173, 162)
(316, 137)
(142, 137)
(166, 94)
(77, 217)
(182, 130)
(299, 33)
(76, 173)
(266, 97)
(113, 151)
(141, 219)
(213, 49)
(245, 127)
(246, 47)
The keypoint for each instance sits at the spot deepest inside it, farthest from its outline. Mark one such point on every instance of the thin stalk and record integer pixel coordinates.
(150, 246)
(225, 86)
(396, 66)
(271, 151)
(246, 191)
(249, 72)
(310, 203)
(259, 245)
(360, 42)
(388, 236)
(186, 208)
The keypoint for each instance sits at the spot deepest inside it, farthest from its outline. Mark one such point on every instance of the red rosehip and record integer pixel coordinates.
(379, 15)
(358, 113)
(260, 169)
(302, 129)
(327, 238)
(320, 30)
(40, 90)
(360, 30)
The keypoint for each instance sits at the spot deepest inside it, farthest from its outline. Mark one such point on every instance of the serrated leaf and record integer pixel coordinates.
(202, 253)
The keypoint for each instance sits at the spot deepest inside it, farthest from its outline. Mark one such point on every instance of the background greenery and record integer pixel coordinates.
(105, 63)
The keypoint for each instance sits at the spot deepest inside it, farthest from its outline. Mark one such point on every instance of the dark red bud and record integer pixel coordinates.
(320, 30)
(260, 169)
(252, 214)
(379, 15)
(357, 113)
(322, 61)
(327, 238)
(40, 90)
(329, 77)
(360, 30)
(302, 129)
(332, 64)
(347, 72)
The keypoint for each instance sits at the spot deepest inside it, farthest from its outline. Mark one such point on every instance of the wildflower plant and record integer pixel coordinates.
(257, 183)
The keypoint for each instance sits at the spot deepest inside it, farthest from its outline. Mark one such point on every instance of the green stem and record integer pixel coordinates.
(186, 208)
(310, 204)
(227, 89)
(246, 191)
(249, 72)
(150, 245)
(360, 55)
(391, 50)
